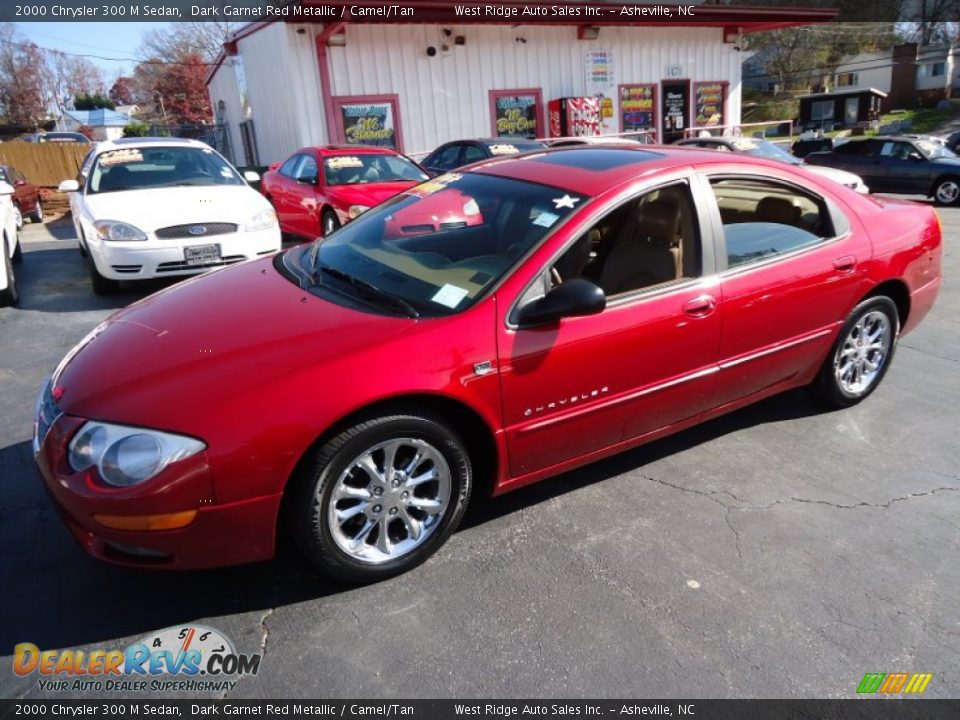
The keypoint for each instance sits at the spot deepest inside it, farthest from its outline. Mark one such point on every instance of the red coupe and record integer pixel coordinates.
(318, 189)
(574, 303)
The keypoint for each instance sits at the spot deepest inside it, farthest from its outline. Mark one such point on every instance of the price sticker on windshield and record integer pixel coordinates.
(449, 295)
(115, 157)
(343, 161)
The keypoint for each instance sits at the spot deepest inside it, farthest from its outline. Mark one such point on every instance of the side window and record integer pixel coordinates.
(648, 240)
(3, 176)
(287, 169)
(307, 171)
(472, 154)
(762, 219)
(447, 158)
(858, 147)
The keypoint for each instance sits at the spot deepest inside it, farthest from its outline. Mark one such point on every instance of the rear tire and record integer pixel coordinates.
(381, 497)
(861, 355)
(11, 295)
(101, 286)
(946, 191)
(37, 215)
(18, 253)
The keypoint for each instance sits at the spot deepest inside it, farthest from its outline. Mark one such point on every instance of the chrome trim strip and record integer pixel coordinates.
(771, 350)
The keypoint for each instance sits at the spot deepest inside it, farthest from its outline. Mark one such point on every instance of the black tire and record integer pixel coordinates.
(328, 222)
(309, 496)
(946, 191)
(18, 253)
(37, 215)
(101, 286)
(828, 385)
(11, 295)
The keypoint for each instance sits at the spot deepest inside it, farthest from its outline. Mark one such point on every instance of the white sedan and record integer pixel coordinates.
(162, 207)
(9, 246)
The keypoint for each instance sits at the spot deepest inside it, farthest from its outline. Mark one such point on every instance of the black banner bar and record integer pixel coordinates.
(892, 709)
(431, 11)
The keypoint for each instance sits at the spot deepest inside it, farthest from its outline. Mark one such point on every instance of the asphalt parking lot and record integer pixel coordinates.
(780, 551)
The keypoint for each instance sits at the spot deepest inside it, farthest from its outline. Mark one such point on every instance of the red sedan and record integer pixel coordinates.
(318, 189)
(26, 195)
(570, 305)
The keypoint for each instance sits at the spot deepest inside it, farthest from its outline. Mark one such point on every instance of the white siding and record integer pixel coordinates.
(874, 70)
(445, 97)
(283, 88)
(223, 86)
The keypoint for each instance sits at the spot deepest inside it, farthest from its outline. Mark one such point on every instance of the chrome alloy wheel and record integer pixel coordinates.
(389, 500)
(861, 357)
(948, 192)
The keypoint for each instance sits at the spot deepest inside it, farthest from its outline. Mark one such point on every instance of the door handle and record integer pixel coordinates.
(700, 306)
(845, 265)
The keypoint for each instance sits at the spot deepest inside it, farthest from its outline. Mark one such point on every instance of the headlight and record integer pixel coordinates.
(125, 455)
(263, 220)
(356, 210)
(118, 231)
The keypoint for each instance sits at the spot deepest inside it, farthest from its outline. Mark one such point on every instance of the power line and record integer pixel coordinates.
(34, 46)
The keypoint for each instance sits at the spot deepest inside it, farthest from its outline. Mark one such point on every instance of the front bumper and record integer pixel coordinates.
(154, 258)
(232, 534)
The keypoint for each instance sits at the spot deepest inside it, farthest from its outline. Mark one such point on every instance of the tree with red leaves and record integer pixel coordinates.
(22, 100)
(183, 90)
(120, 92)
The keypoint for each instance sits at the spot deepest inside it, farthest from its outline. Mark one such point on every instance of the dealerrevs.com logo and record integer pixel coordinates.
(193, 658)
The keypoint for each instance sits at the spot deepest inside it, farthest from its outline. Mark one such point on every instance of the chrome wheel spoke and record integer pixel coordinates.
(349, 492)
(351, 512)
(358, 540)
(430, 507)
(383, 538)
(367, 464)
(389, 460)
(426, 477)
(414, 527)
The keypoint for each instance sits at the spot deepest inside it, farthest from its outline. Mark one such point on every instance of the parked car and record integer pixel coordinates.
(806, 145)
(26, 195)
(354, 178)
(452, 155)
(9, 246)
(165, 207)
(899, 165)
(56, 136)
(356, 392)
(770, 151)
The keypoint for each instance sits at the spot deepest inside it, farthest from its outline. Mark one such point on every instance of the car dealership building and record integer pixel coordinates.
(424, 80)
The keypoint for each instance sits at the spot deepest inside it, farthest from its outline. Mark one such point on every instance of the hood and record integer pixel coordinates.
(951, 162)
(202, 342)
(152, 209)
(369, 194)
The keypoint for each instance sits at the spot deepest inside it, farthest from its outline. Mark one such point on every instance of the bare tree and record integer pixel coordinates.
(21, 79)
(186, 39)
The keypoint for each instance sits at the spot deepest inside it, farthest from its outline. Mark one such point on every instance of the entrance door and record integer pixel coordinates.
(675, 115)
(851, 111)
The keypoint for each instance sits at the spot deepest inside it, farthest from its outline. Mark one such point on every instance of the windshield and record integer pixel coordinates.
(138, 168)
(361, 169)
(934, 150)
(436, 248)
(765, 149)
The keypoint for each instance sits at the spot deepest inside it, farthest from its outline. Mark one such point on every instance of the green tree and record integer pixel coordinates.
(93, 101)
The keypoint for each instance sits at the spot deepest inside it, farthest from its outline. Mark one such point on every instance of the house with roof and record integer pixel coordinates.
(106, 124)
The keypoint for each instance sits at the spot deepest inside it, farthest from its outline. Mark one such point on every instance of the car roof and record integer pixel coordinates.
(149, 142)
(592, 169)
(326, 150)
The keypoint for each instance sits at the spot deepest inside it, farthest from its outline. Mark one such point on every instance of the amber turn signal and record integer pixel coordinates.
(166, 521)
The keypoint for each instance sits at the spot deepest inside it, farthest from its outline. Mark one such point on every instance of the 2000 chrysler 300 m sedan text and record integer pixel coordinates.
(356, 391)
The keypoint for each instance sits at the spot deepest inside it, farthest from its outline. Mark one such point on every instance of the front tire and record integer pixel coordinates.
(381, 497)
(37, 215)
(328, 222)
(947, 191)
(860, 357)
(101, 286)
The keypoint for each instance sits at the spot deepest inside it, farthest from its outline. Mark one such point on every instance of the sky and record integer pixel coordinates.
(106, 40)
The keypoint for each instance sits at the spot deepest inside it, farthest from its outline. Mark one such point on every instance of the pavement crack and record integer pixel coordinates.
(927, 352)
(882, 506)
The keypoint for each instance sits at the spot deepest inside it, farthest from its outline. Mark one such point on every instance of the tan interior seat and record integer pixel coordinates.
(647, 254)
(778, 210)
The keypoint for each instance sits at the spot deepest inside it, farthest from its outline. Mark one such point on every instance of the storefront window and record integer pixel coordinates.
(516, 113)
(368, 120)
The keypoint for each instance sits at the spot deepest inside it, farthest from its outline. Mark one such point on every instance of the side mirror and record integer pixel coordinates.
(250, 176)
(68, 186)
(573, 298)
(6, 188)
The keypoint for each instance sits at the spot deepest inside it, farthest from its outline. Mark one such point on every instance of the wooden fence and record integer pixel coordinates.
(44, 164)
